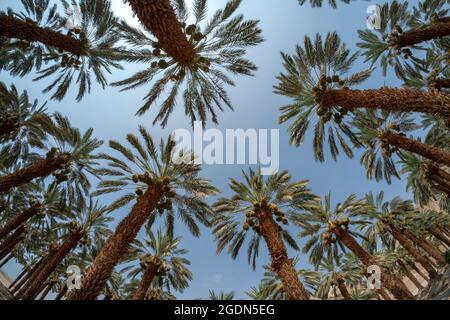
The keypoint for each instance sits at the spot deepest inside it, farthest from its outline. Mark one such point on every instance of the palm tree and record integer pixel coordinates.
(384, 134)
(329, 230)
(392, 42)
(162, 183)
(261, 201)
(69, 158)
(76, 55)
(20, 124)
(219, 52)
(317, 61)
(161, 257)
(318, 3)
(221, 296)
(85, 222)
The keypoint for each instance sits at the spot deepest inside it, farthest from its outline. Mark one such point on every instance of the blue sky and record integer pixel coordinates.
(284, 24)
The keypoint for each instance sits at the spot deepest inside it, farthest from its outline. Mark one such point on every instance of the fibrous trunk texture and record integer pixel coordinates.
(391, 99)
(388, 280)
(433, 31)
(62, 293)
(426, 246)
(18, 221)
(50, 265)
(409, 274)
(14, 28)
(439, 235)
(19, 277)
(160, 19)
(39, 169)
(16, 234)
(409, 246)
(344, 291)
(116, 246)
(144, 284)
(281, 264)
(425, 150)
(20, 289)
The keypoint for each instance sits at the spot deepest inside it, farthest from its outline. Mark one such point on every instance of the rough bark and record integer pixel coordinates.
(23, 285)
(435, 232)
(116, 246)
(409, 246)
(158, 17)
(11, 246)
(390, 99)
(29, 31)
(409, 274)
(62, 293)
(39, 169)
(145, 282)
(16, 234)
(432, 31)
(18, 221)
(426, 246)
(344, 291)
(50, 266)
(418, 271)
(388, 280)
(425, 150)
(281, 264)
(384, 294)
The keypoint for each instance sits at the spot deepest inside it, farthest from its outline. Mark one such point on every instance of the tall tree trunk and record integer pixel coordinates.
(425, 150)
(344, 291)
(409, 274)
(47, 290)
(50, 266)
(418, 271)
(145, 282)
(19, 277)
(409, 246)
(62, 292)
(159, 18)
(11, 246)
(435, 232)
(18, 221)
(116, 246)
(281, 264)
(388, 280)
(426, 246)
(16, 234)
(439, 177)
(432, 31)
(384, 294)
(8, 259)
(29, 31)
(390, 99)
(440, 84)
(38, 169)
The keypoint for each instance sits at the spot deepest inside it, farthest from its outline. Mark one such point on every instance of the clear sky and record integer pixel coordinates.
(284, 24)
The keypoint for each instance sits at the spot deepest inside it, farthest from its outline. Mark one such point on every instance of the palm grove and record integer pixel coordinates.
(51, 173)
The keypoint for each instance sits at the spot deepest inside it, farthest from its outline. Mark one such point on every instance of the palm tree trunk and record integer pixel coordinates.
(146, 281)
(433, 31)
(19, 277)
(409, 274)
(388, 280)
(159, 18)
(4, 262)
(11, 246)
(384, 294)
(426, 246)
(344, 291)
(39, 169)
(409, 246)
(281, 264)
(390, 99)
(425, 150)
(20, 289)
(18, 221)
(29, 31)
(16, 234)
(62, 292)
(435, 232)
(47, 290)
(418, 271)
(50, 266)
(116, 246)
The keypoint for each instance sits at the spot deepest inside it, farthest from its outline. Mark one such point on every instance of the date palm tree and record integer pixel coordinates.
(330, 230)
(166, 185)
(318, 60)
(20, 124)
(160, 257)
(219, 49)
(77, 54)
(221, 296)
(261, 200)
(81, 224)
(70, 157)
(402, 29)
(318, 3)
